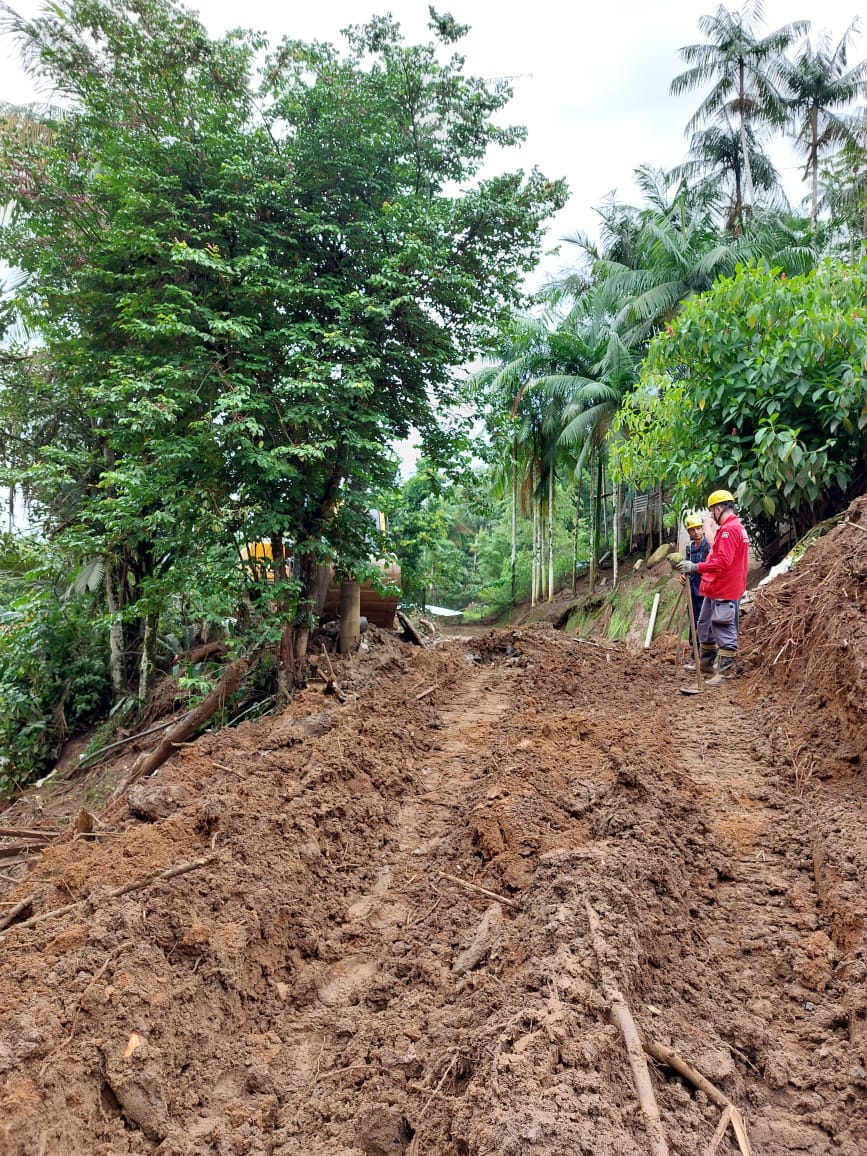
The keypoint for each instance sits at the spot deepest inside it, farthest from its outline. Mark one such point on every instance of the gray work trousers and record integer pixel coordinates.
(718, 623)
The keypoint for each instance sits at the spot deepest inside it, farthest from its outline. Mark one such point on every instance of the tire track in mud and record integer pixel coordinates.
(767, 958)
(453, 760)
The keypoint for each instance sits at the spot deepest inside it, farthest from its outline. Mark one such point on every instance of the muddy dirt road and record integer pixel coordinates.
(391, 954)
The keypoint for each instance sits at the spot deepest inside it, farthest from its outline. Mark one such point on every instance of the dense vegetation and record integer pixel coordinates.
(240, 278)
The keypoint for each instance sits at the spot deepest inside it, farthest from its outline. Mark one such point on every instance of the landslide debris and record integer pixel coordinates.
(391, 953)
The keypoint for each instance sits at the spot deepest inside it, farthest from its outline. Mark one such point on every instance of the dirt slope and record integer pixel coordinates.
(322, 986)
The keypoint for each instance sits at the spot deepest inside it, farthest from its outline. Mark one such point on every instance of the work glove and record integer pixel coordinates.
(687, 567)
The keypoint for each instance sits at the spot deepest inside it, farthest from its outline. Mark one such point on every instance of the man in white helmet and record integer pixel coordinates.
(723, 582)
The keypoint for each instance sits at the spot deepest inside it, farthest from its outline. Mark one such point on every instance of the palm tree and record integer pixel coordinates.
(843, 192)
(581, 403)
(515, 425)
(743, 69)
(716, 160)
(820, 90)
(677, 247)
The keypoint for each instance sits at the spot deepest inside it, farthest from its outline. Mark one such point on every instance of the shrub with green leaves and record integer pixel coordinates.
(53, 680)
(759, 386)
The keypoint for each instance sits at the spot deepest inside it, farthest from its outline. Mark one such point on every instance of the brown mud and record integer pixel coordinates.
(326, 985)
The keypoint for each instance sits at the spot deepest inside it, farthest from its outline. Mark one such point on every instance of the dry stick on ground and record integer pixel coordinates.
(719, 1133)
(429, 690)
(27, 833)
(136, 885)
(678, 1064)
(481, 890)
(621, 1016)
(12, 915)
(10, 850)
(331, 683)
(94, 979)
(230, 680)
(413, 1149)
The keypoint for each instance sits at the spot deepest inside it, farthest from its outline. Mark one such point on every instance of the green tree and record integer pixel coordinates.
(820, 92)
(742, 67)
(583, 401)
(716, 160)
(759, 386)
(653, 257)
(516, 428)
(247, 290)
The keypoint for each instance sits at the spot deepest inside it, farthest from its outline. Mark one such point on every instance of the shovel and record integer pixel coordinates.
(696, 657)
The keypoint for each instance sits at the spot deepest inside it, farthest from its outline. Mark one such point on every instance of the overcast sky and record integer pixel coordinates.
(591, 80)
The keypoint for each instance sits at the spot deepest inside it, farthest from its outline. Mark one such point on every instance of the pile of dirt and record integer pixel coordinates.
(377, 939)
(807, 635)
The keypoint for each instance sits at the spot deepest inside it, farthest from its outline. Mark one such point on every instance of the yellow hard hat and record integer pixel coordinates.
(719, 496)
(693, 520)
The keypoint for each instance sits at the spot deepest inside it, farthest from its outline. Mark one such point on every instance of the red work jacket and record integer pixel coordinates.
(724, 573)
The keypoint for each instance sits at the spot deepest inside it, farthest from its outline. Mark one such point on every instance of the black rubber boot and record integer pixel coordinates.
(726, 669)
(707, 657)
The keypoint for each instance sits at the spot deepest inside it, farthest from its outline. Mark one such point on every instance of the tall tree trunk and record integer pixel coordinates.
(287, 655)
(596, 471)
(116, 657)
(737, 220)
(551, 536)
(814, 154)
(148, 653)
(534, 580)
(748, 172)
(513, 576)
(594, 525)
(616, 548)
(350, 616)
(575, 538)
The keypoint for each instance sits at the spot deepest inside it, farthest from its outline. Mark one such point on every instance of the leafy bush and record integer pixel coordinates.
(53, 680)
(758, 386)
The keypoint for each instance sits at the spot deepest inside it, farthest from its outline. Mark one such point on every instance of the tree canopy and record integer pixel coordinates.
(246, 281)
(759, 386)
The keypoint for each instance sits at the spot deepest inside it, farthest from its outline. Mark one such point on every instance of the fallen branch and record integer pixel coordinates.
(136, 885)
(855, 526)
(719, 1133)
(9, 850)
(12, 915)
(27, 833)
(481, 890)
(332, 686)
(146, 764)
(621, 1016)
(410, 630)
(425, 693)
(678, 1064)
(93, 758)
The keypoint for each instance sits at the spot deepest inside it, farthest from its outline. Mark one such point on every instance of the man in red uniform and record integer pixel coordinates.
(723, 582)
